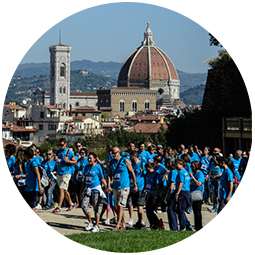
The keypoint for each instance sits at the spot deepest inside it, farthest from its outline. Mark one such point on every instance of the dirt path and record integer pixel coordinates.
(67, 223)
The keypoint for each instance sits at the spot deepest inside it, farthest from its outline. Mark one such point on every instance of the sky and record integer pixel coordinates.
(111, 32)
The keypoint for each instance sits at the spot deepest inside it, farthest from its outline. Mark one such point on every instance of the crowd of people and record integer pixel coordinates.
(163, 180)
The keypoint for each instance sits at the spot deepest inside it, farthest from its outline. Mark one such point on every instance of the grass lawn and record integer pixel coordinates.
(130, 240)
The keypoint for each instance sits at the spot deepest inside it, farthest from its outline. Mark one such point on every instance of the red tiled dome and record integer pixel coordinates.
(147, 63)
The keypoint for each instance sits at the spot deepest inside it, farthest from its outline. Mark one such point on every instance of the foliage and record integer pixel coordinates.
(131, 240)
(222, 60)
(213, 41)
(160, 137)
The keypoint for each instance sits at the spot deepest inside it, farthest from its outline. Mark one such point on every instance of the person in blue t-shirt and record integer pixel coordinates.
(151, 150)
(91, 190)
(152, 182)
(20, 171)
(171, 212)
(138, 198)
(82, 161)
(215, 175)
(226, 182)
(204, 161)
(163, 172)
(33, 179)
(197, 184)
(10, 149)
(65, 159)
(119, 171)
(182, 194)
(50, 168)
(144, 155)
(237, 159)
(130, 147)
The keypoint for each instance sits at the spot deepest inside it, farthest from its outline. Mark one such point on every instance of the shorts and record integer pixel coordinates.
(63, 181)
(138, 198)
(120, 196)
(31, 198)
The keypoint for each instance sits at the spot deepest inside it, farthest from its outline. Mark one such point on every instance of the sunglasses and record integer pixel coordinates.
(48, 154)
(115, 152)
(61, 145)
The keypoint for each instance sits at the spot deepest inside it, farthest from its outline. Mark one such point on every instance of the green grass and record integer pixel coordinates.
(131, 240)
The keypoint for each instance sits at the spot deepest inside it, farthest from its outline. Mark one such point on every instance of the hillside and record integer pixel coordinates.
(193, 96)
(21, 88)
(29, 76)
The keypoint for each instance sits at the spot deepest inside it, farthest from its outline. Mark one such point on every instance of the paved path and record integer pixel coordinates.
(67, 223)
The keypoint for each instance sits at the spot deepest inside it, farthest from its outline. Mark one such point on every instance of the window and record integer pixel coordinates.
(122, 106)
(52, 127)
(64, 105)
(60, 90)
(40, 127)
(134, 106)
(41, 114)
(77, 104)
(147, 105)
(62, 70)
(64, 90)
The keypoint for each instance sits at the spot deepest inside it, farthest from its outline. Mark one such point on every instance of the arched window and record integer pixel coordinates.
(134, 106)
(60, 90)
(62, 70)
(122, 106)
(64, 106)
(64, 90)
(147, 105)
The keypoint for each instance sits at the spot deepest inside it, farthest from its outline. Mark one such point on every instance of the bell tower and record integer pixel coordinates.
(60, 75)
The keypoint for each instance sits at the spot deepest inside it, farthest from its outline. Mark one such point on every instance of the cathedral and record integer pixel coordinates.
(147, 76)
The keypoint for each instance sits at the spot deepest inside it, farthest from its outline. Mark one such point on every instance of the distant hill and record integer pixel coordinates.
(193, 96)
(29, 76)
(108, 69)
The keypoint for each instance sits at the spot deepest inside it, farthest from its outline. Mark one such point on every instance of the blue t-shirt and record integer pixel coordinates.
(140, 176)
(227, 176)
(199, 176)
(81, 164)
(172, 177)
(31, 180)
(236, 162)
(215, 171)
(11, 162)
(49, 167)
(183, 177)
(120, 175)
(63, 167)
(125, 154)
(195, 157)
(152, 156)
(152, 179)
(93, 175)
(161, 169)
(204, 162)
(144, 156)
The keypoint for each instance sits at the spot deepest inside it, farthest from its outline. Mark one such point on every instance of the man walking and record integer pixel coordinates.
(121, 184)
(65, 159)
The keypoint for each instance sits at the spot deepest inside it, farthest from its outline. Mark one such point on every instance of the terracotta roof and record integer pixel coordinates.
(145, 117)
(51, 107)
(13, 107)
(147, 128)
(5, 142)
(85, 107)
(80, 117)
(16, 128)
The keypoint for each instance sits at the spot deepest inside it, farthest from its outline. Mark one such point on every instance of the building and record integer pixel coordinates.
(148, 67)
(236, 134)
(120, 101)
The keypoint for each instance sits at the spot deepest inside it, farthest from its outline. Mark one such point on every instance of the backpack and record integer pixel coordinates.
(44, 178)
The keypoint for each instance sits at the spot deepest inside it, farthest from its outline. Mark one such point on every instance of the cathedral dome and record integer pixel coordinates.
(149, 67)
